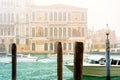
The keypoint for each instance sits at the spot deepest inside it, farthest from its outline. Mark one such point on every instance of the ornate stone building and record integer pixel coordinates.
(39, 28)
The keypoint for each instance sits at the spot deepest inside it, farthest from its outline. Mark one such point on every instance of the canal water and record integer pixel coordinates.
(44, 69)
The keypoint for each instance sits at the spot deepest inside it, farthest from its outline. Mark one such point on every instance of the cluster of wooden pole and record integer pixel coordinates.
(78, 61)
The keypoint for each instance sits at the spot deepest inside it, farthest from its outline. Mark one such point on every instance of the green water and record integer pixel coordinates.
(42, 70)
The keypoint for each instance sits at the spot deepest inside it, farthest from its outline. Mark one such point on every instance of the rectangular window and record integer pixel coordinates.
(5, 18)
(50, 16)
(17, 41)
(60, 33)
(27, 41)
(12, 17)
(0, 18)
(33, 32)
(33, 16)
(17, 18)
(11, 40)
(5, 31)
(64, 32)
(46, 32)
(27, 18)
(69, 32)
(17, 31)
(12, 31)
(46, 46)
(46, 16)
(33, 46)
(8, 18)
(55, 16)
(64, 16)
(27, 31)
(64, 46)
(8, 31)
(1, 31)
(69, 16)
(82, 16)
(69, 46)
(60, 16)
(51, 46)
(76, 31)
(3, 40)
(51, 32)
(83, 32)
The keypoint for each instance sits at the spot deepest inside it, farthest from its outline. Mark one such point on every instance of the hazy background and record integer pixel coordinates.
(100, 12)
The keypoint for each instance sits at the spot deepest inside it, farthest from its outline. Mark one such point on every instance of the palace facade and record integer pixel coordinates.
(37, 29)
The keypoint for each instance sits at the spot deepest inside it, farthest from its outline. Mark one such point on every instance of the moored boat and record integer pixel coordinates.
(98, 69)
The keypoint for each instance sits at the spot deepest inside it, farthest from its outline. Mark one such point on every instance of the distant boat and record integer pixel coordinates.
(115, 50)
(98, 69)
(20, 58)
(112, 51)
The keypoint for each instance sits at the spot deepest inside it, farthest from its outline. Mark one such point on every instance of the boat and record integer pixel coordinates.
(20, 58)
(98, 68)
(115, 50)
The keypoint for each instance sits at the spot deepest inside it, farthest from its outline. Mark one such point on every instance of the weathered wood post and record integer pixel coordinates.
(13, 61)
(59, 61)
(78, 60)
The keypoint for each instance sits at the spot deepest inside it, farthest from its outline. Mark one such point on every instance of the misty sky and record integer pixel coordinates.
(100, 12)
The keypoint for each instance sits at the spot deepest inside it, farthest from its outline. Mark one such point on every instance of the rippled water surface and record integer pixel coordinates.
(45, 69)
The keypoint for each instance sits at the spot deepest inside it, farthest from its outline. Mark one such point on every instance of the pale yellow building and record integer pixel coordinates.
(39, 28)
(58, 22)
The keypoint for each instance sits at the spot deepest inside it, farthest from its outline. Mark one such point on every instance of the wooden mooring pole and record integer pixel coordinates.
(78, 60)
(13, 61)
(59, 61)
